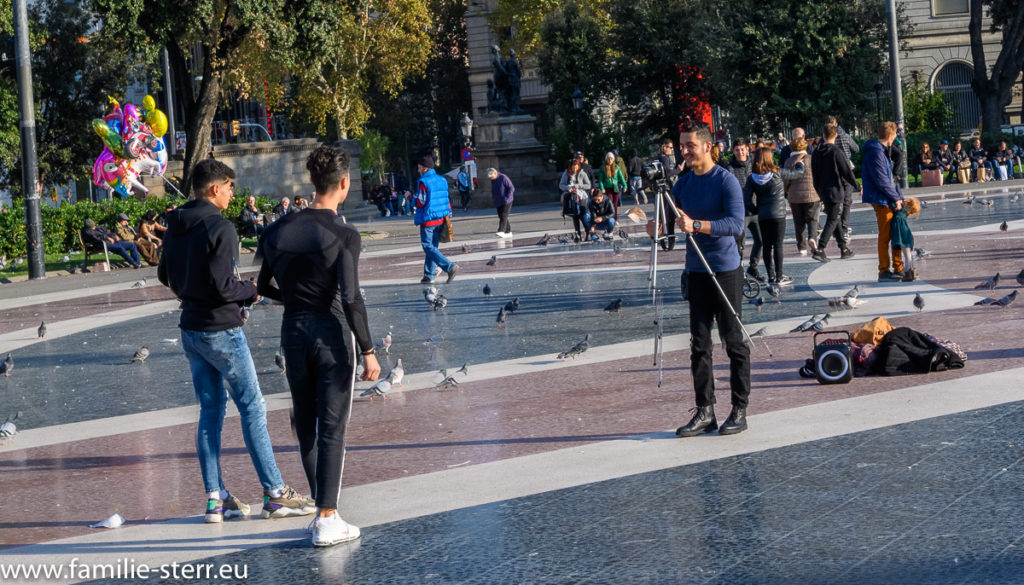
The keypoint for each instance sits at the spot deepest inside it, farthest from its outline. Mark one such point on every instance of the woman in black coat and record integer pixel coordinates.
(765, 194)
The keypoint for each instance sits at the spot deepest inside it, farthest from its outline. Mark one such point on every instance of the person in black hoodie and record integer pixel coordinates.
(740, 167)
(833, 178)
(200, 265)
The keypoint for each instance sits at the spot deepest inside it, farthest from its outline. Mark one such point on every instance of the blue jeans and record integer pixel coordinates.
(216, 357)
(607, 225)
(126, 250)
(430, 237)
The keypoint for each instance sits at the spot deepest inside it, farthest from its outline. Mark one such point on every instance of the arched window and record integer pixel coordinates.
(954, 81)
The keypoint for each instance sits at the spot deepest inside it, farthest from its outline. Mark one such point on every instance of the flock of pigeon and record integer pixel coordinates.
(990, 284)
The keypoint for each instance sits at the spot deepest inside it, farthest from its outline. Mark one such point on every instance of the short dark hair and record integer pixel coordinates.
(701, 129)
(327, 166)
(741, 141)
(207, 172)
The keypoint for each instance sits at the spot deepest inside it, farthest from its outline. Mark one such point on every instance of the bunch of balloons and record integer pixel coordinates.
(133, 146)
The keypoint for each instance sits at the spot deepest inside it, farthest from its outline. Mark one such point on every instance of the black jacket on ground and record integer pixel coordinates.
(905, 351)
(832, 173)
(199, 265)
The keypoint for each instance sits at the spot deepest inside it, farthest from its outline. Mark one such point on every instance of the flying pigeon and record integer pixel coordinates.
(805, 325)
(487, 290)
(563, 239)
(614, 306)
(502, 317)
(1003, 226)
(543, 240)
(985, 301)
(1007, 300)
(440, 302)
(464, 370)
(42, 329)
(279, 361)
(492, 261)
(577, 350)
(822, 323)
(380, 389)
(1020, 278)
(989, 284)
(141, 355)
(919, 302)
(448, 382)
(384, 344)
(758, 302)
(397, 374)
(139, 283)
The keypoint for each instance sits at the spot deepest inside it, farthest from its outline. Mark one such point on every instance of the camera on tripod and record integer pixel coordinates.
(654, 171)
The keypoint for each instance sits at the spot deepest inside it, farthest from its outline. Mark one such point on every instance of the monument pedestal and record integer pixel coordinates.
(508, 144)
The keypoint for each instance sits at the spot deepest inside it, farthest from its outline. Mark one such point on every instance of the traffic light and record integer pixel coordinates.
(236, 127)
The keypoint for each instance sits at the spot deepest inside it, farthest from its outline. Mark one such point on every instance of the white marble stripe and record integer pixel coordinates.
(401, 499)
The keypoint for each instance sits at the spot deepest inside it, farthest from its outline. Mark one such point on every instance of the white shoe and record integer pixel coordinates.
(333, 530)
(500, 234)
(508, 234)
(803, 252)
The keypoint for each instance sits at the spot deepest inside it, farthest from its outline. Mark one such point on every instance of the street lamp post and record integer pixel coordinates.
(466, 127)
(30, 188)
(577, 104)
(897, 84)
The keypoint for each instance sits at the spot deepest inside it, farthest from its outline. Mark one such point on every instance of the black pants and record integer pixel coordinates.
(503, 225)
(464, 197)
(320, 357)
(844, 217)
(772, 233)
(750, 223)
(805, 220)
(706, 307)
(833, 219)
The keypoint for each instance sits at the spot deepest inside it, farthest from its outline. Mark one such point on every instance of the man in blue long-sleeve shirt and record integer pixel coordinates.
(882, 193)
(711, 203)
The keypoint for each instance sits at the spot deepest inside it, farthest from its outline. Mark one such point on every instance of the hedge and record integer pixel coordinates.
(61, 224)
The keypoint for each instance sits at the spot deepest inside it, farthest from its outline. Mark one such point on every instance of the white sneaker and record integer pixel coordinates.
(333, 530)
(508, 234)
(803, 252)
(500, 234)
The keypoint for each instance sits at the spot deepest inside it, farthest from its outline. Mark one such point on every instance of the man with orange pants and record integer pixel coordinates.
(882, 193)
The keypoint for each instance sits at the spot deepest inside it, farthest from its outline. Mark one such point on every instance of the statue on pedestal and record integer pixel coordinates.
(503, 90)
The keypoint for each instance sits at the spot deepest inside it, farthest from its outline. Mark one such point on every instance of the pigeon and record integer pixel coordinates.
(512, 306)
(9, 429)
(989, 284)
(1020, 278)
(42, 330)
(759, 333)
(73, 270)
(139, 283)
(563, 239)
(430, 293)
(988, 202)
(397, 374)
(924, 204)
(919, 302)
(502, 317)
(464, 370)
(805, 325)
(465, 248)
(543, 240)
(985, 301)
(773, 292)
(487, 290)
(577, 350)
(440, 302)
(141, 355)
(614, 306)
(492, 261)
(380, 389)
(448, 382)
(1015, 198)
(822, 323)
(443, 372)
(921, 252)
(65, 258)
(624, 235)
(113, 521)
(1004, 226)
(969, 200)
(758, 302)
(1007, 300)
(616, 249)
(853, 292)
(384, 344)
(279, 361)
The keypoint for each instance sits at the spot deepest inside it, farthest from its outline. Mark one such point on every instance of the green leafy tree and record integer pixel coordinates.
(10, 139)
(344, 48)
(926, 111)
(374, 156)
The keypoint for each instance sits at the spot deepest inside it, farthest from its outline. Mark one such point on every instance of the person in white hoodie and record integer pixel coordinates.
(765, 193)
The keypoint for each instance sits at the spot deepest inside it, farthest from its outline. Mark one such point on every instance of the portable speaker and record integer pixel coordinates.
(833, 361)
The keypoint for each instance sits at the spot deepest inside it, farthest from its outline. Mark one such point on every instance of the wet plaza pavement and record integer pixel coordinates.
(525, 474)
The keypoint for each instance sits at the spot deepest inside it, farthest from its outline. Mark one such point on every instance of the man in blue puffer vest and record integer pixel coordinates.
(432, 206)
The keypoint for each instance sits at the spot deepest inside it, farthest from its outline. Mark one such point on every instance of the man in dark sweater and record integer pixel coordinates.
(739, 165)
(200, 265)
(711, 203)
(311, 264)
(833, 180)
(502, 194)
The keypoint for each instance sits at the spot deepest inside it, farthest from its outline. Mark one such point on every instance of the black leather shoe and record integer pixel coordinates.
(703, 421)
(736, 423)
